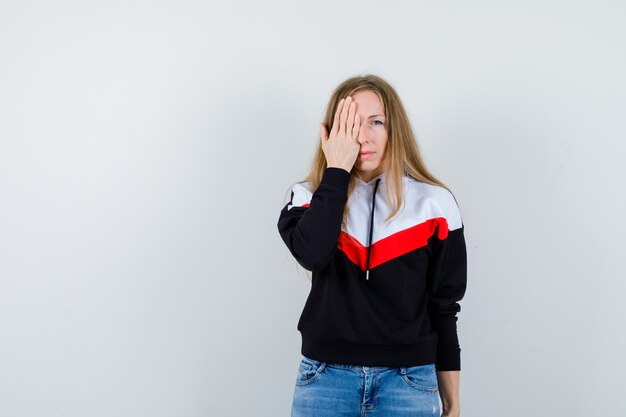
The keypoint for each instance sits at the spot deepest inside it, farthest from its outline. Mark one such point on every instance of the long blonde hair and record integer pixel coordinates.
(402, 154)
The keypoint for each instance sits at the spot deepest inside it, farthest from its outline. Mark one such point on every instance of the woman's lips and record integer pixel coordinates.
(365, 154)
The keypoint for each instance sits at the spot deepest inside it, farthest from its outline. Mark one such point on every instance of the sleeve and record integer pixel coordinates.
(311, 229)
(447, 281)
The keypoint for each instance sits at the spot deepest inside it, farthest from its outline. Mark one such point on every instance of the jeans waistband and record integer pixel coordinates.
(360, 367)
(357, 368)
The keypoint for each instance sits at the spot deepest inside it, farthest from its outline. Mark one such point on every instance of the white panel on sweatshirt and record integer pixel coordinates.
(422, 202)
(301, 195)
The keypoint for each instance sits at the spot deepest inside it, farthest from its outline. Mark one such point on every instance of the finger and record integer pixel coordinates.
(323, 134)
(350, 121)
(356, 128)
(335, 128)
(343, 117)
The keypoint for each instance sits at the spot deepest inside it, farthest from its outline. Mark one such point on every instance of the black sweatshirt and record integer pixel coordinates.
(382, 294)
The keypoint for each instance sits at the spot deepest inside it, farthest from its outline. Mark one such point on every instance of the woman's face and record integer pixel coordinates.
(372, 134)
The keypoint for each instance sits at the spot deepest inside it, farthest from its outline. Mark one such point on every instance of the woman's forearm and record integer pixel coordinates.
(448, 382)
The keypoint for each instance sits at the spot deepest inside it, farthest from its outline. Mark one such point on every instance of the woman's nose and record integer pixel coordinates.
(362, 134)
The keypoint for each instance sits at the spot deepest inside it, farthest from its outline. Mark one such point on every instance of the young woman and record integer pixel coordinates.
(378, 328)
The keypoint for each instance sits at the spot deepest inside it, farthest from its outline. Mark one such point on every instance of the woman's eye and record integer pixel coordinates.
(378, 121)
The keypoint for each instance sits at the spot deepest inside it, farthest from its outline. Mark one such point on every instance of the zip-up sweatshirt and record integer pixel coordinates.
(382, 294)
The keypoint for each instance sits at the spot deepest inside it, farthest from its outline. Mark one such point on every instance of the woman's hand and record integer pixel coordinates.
(448, 382)
(452, 412)
(342, 148)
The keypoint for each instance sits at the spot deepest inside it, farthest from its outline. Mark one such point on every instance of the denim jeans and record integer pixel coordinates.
(330, 389)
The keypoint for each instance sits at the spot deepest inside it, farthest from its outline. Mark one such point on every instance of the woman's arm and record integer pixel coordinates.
(311, 230)
(447, 282)
(449, 392)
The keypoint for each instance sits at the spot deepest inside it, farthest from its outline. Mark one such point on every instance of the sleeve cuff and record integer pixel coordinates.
(336, 177)
(448, 360)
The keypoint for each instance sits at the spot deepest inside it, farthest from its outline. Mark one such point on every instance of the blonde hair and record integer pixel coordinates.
(402, 155)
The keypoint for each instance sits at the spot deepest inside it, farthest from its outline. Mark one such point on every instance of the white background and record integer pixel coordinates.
(146, 149)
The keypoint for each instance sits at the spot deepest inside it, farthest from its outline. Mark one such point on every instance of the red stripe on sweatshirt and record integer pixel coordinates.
(394, 245)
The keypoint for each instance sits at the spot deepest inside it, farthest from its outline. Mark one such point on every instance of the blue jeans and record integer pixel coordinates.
(330, 389)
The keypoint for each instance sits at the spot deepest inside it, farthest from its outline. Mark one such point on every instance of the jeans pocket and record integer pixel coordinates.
(309, 370)
(421, 377)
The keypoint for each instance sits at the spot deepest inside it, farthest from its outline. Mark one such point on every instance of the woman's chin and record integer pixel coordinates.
(366, 165)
